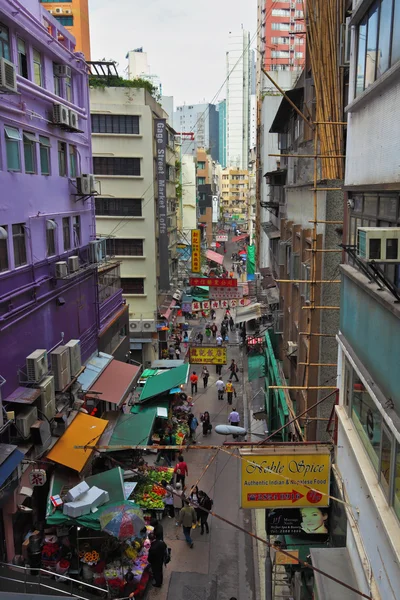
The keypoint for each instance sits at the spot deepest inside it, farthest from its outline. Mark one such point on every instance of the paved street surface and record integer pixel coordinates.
(220, 565)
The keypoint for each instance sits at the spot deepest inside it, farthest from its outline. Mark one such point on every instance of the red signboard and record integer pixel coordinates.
(213, 281)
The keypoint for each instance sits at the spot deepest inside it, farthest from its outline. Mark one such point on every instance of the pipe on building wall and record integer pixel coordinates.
(49, 96)
(24, 288)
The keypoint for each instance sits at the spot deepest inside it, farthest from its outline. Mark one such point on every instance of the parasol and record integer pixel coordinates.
(123, 520)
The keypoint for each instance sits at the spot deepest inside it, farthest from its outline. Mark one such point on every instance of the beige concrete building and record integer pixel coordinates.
(235, 194)
(124, 161)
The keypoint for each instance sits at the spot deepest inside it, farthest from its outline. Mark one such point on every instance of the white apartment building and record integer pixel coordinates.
(238, 99)
(124, 151)
(203, 121)
(139, 68)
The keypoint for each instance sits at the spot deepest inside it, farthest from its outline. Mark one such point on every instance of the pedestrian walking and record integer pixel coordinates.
(193, 424)
(187, 518)
(208, 332)
(207, 503)
(212, 313)
(178, 501)
(218, 369)
(231, 323)
(214, 330)
(171, 352)
(178, 353)
(206, 421)
(220, 385)
(193, 380)
(230, 392)
(168, 499)
(156, 558)
(195, 500)
(181, 470)
(205, 375)
(233, 369)
(223, 331)
(200, 338)
(234, 419)
(219, 341)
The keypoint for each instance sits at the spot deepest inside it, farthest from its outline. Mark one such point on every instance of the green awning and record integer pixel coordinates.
(133, 429)
(204, 287)
(156, 386)
(256, 366)
(148, 373)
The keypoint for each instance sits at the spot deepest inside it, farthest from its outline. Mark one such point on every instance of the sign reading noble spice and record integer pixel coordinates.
(161, 143)
(196, 257)
(284, 477)
(207, 355)
(207, 281)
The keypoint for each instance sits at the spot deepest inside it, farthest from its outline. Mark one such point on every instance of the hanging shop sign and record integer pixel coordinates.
(215, 207)
(233, 303)
(217, 293)
(207, 355)
(196, 306)
(160, 126)
(37, 477)
(213, 281)
(196, 246)
(300, 522)
(242, 302)
(205, 305)
(221, 237)
(214, 304)
(284, 558)
(280, 478)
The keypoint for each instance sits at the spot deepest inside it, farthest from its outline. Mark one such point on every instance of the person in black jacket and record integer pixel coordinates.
(156, 559)
(206, 502)
(158, 530)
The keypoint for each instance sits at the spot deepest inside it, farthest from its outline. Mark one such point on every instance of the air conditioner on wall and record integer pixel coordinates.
(37, 365)
(58, 10)
(148, 325)
(86, 184)
(60, 364)
(73, 120)
(25, 419)
(62, 70)
(47, 401)
(292, 349)
(8, 77)
(135, 326)
(73, 264)
(379, 244)
(60, 114)
(61, 269)
(74, 347)
(97, 250)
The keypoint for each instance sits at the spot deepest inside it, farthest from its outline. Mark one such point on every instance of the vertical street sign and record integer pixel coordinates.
(196, 258)
(161, 144)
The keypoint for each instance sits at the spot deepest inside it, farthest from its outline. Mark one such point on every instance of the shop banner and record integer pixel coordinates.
(279, 478)
(214, 304)
(196, 306)
(233, 303)
(284, 558)
(161, 142)
(215, 211)
(300, 522)
(205, 305)
(217, 293)
(213, 281)
(221, 237)
(196, 256)
(207, 355)
(242, 302)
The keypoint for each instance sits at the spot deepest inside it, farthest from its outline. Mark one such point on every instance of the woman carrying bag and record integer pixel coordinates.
(205, 419)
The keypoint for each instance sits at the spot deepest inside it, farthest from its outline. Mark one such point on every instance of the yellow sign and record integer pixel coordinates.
(207, 355)
(280, 477)
(196, 257)
(284, 559)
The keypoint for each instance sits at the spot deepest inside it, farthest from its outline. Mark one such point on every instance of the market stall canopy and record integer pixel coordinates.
(155, 386)
(10, 458)
(167, 313)
(218, 258)
(338, 563)
(166, 364)
(241, 237)
(128, 429)
(247, 313)
(256, 366)
(93, 369)
(115, 382)
(83, 430)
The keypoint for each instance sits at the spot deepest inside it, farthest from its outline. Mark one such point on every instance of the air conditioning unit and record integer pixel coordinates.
(8, 77)
(86, 184)
(60, 114)
(380, 244)
(148, 325)
(97, 250)
(278, 321)
(47, 401)
(25, 419)
(68, 11)
(74, 356)
(62, 70)
(178, 295)
(135, 326)
(291, 47)
(292, 349)
(37, 365)
(61, 269)
(58, 11)
(60, 364)
(73, 120)
(73, 264)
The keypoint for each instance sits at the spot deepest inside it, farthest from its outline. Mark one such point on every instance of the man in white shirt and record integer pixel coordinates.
(221, 388)
(219, 340)
(234, 419)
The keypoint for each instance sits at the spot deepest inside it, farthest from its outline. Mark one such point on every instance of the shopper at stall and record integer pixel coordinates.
(156, 557)
(205, 375)
(193, 380)
(230, 391)
(171, 352)
(163, 455)
(187, 518)
(206, 421)
(181, 471)
(221, 388)
(177, 353)
(234, 370)
(193, 426)
(207, 503)
(158, 529)
(178, 501)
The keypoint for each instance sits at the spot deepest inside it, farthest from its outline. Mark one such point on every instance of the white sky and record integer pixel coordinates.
(185, 40)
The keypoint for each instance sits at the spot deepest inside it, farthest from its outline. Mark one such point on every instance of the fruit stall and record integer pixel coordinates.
(149, 494)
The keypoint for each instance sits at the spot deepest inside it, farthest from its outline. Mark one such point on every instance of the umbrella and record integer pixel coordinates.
(122, 520)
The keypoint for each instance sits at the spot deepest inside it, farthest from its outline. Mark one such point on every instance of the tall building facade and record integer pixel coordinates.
(139, 68)
(238, 87)
(74, 16)
(202, 120)
(222, 133)
(283, 35)
(235, 194)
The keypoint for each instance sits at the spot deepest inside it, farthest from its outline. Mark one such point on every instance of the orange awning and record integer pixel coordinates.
(115, 382)
(83, 430)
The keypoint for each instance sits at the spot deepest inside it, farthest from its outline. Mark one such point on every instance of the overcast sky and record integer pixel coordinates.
(185, 40)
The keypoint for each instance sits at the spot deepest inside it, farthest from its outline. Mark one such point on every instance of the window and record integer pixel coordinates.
(116, 166)
(279, 54)
(62, 159)
(367, 420)
(44, 146)
(128, 247)
(132, 285)
(22, 59)
(76, 230)
(128, 124)
(201, 181)
(3, 248)
(68, 88)
(29, 152)
(37, 67)
(19, 244)
(378, 42)
(13, 138)
(4, 42)
(280, 12)
(109, 283)
(51, 228)
(281, 26)
(115, 207)
(66, 233)
(57, 82)
(66, 21)
(299, 55)
(201, 164)
(72, 161)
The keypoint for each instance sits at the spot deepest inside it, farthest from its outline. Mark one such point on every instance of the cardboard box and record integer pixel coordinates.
(76, 492)
(90, 500)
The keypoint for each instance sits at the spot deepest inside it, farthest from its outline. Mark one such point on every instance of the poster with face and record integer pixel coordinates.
(304, 522)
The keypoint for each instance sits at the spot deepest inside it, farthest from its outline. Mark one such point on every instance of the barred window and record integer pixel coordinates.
(124, 247)
(132, 285)
(105, 165)
(127, 124)
(116, 207)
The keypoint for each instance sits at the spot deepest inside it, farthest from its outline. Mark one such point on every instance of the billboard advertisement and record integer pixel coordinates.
(284, 477)
(160, 126)
(215, 206)
(299, 522)
(207, 281)
(207, 355)
(196, 256)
